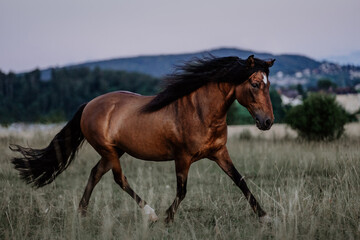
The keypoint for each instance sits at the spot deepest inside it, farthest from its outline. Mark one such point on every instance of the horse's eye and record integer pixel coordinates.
(255, 85)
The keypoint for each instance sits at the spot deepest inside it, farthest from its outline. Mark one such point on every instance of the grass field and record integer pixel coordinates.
(312, 191)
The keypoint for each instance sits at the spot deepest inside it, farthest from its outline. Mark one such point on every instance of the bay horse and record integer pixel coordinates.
(185, 122)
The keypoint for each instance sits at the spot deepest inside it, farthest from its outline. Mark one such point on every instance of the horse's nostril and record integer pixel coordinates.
(268, 123)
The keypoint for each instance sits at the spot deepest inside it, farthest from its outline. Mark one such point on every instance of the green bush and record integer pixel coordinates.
(278, 108)
(245, 135)
(238, 114)
(320, 117)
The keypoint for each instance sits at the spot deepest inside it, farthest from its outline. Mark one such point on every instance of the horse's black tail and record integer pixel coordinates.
(41, 166)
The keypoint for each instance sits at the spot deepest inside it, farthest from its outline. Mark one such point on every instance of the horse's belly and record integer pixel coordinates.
(152, 142)
(146, 150)
(150, 156)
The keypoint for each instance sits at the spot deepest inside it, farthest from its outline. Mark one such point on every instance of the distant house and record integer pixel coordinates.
(344, 90)
(290, 97)
(350, 102)
(357, 87)
(346, 97)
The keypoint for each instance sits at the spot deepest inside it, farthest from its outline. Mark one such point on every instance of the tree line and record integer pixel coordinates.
(26, 98)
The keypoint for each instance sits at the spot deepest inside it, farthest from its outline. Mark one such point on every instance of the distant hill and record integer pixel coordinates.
(288, 70)
(352, 58)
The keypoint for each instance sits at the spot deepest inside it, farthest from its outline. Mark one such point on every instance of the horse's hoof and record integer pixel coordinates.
(266, 219)
(153, 217)
(170, 217)
(169, 220)
(82, 211)
(150, 213)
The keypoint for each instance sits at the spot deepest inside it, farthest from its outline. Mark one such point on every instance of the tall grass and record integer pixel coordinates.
(312, 191)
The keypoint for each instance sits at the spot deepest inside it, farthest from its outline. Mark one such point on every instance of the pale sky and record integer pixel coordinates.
(43, 33)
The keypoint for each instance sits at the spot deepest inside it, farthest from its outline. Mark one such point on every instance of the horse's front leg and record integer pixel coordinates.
(222, 158)
(182, 168)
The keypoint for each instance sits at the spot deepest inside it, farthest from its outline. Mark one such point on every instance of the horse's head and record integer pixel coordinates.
(254, 93)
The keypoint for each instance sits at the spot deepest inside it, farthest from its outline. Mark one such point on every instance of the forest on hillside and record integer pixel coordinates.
(27, 98)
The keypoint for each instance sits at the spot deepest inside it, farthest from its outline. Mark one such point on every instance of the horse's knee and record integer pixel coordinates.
(181, 189)
(118, 180)
(121, 181)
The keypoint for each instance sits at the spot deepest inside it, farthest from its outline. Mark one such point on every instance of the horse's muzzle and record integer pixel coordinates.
(263, 123)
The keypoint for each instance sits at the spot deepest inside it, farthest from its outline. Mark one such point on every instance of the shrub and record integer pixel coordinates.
(245, 135)
(278, 109)
(325, 84)
(238, 114)
(320, 117)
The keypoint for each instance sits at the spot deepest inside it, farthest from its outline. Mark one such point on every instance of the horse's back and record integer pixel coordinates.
(116, 120)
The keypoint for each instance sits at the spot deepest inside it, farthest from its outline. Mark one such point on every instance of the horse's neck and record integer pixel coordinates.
(213, 100)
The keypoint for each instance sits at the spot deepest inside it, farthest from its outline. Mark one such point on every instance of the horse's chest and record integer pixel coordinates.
(203, 146)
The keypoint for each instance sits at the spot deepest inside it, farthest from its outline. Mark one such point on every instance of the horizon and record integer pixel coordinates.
(152, 55)
(91, 31)
(167, 54)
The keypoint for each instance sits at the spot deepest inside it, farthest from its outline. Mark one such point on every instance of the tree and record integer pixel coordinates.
(26, 98)
(301, 91)
(278, 108)
(238, 114)
(325, 84)
(320, 117)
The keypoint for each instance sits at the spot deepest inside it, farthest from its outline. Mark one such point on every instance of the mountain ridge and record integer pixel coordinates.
(288, 69)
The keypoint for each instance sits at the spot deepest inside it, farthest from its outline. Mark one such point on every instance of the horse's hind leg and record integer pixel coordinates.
(120, 179)
(97, 172)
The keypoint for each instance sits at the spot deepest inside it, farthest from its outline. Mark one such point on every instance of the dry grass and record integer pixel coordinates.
(281, 131)
(312, 190)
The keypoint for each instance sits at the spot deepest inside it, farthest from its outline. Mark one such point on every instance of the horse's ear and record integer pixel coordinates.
(250, 61)
(270, 62)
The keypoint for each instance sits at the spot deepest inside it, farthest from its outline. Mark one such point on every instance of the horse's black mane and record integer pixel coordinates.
(198, 72)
